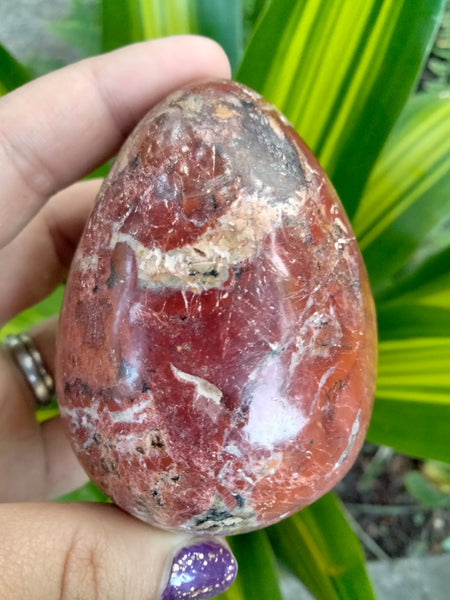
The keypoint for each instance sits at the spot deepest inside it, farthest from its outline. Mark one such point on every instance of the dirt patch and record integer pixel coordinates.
(388, 520)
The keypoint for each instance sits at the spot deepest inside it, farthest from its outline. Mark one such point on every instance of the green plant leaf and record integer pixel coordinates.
(253, 9)
(48, 307)
(408, 192)
(222, 20)
(81, 29)
(12, 73)
(435, 293)
(437, 74)
(425, 492)
(403, 321)
(121, 24)
(87, 493)
(129, 21)
(422, 307)
(438, 473)
(426, 267)
(412, 402)
(341, 72)
(311, 544)
(258, 575)
(166, 17)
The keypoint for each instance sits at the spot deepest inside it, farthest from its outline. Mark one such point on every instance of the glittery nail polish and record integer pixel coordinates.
(201, 571)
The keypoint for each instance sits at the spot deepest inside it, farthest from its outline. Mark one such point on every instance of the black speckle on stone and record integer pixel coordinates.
(110, 282)
(78, 388)
(157, 498)
(248, 105)
(183, 317)
(109, 466)
(322, 322)
(240, 500)
(140, 449)
(311, 441)
(134, 162)
(238, 272)
(97, 438)
(95, 289)
(213, 515)
(176, 478)
(145, 387)
(338, 384)
(211, 273)
(161, 120)
(157, 441)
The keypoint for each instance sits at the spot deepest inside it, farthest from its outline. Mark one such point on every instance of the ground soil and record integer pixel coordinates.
(389, 522)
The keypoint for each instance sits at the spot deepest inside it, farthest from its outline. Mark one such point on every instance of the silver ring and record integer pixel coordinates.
(29, 360)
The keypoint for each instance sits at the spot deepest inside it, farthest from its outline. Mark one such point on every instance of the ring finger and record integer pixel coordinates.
(36, 461)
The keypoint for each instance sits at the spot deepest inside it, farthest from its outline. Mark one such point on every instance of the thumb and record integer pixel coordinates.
(57, 551)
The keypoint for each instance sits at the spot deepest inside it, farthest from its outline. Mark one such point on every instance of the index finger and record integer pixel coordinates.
(61, 126)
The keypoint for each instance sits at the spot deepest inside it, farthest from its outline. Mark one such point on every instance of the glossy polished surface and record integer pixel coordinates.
(217, 344)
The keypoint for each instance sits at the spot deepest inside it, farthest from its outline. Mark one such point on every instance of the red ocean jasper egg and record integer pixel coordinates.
(217, 341)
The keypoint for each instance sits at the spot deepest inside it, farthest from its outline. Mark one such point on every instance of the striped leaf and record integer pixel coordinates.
(412, 405)
(118, 25)
(408, 193)
(435, 293)
(403, 320)
(165, 17)
(257, 577)
(222, 20)
(253, 9)
(341, 71)
(128, 21)
(424, 271)
(319, 547)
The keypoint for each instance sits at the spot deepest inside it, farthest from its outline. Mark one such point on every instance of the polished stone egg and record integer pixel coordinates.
(217, 341)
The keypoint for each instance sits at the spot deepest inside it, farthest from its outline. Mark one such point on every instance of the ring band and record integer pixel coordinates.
(29, 360)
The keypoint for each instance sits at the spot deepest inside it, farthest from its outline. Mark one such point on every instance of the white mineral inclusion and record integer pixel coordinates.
(351, 440)
(136, 413)
(203, 388)
(235, 237)
(272, 417)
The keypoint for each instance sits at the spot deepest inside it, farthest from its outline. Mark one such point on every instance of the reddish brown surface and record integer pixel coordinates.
(216, 355)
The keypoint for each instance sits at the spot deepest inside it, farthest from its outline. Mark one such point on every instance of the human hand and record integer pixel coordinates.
(53, 131)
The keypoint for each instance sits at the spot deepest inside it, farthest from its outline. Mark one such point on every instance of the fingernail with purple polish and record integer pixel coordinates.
(201, 571)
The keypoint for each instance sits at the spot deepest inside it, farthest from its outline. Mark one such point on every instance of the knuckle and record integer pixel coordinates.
(32, 171)
(83, 569)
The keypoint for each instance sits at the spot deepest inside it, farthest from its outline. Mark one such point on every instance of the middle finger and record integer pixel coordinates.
(37, 260)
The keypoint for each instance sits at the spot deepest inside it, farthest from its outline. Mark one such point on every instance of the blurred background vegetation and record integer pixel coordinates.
(367, 84)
